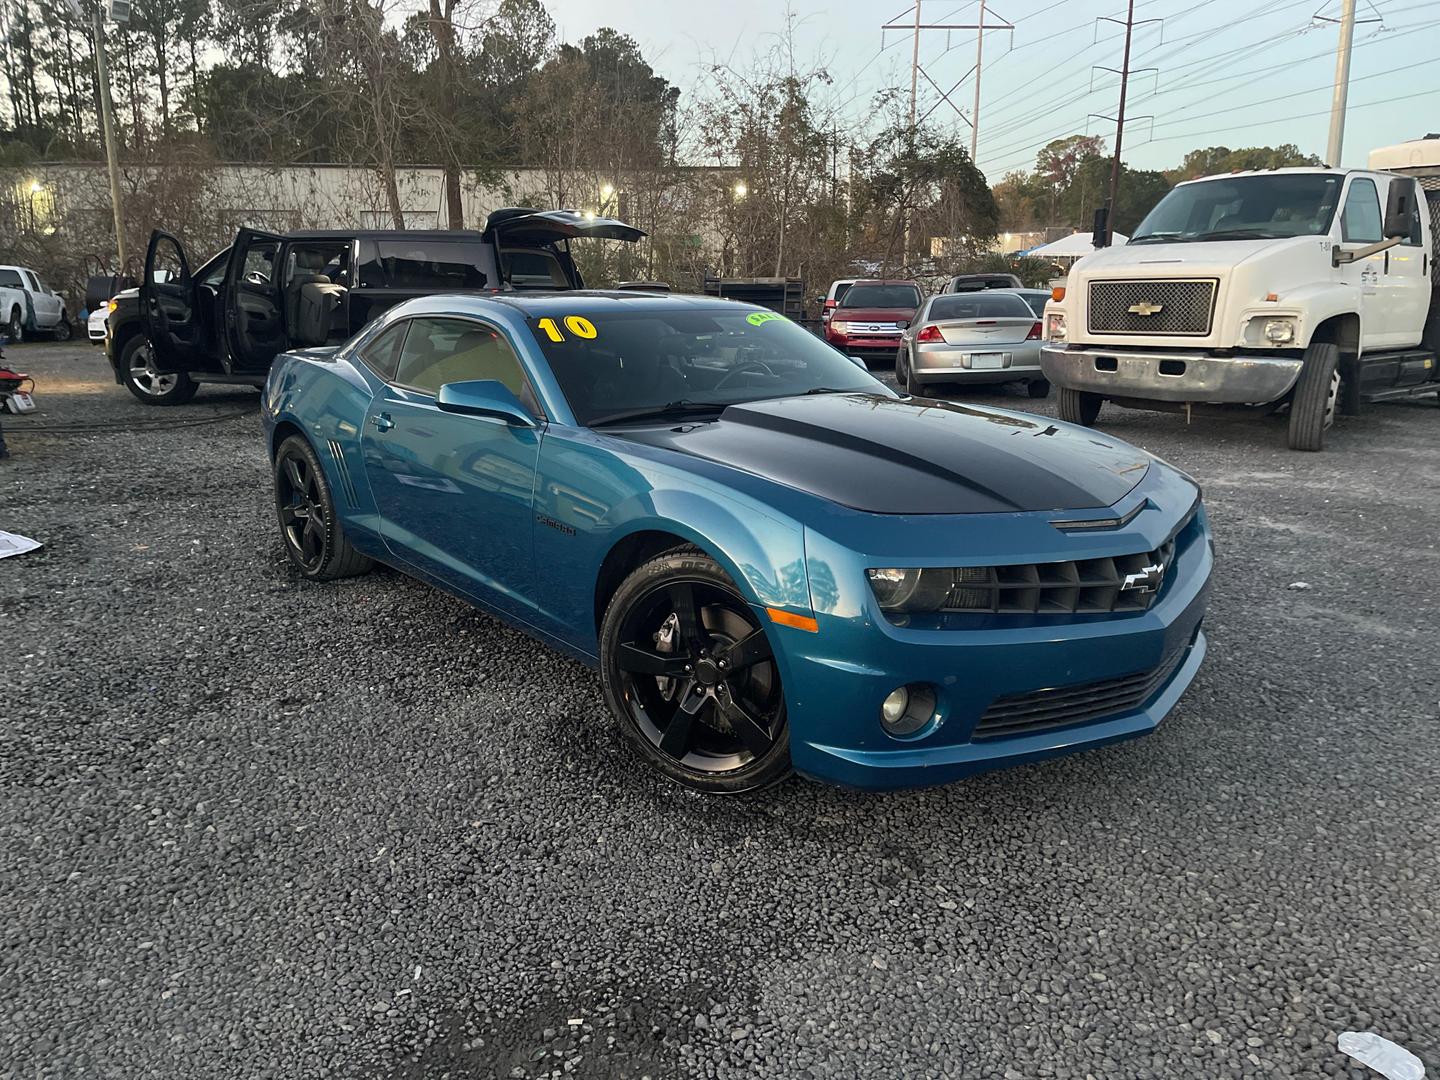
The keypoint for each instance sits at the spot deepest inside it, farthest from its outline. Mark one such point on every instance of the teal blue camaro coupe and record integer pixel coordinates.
(776, 562)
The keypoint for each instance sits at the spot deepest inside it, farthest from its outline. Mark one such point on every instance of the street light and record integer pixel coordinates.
(741, 190)
(607, 190)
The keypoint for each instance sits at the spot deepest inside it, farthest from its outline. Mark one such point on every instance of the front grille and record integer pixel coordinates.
(1039, 710)
(1177, 307)
(1081, 587)
(1431, 186)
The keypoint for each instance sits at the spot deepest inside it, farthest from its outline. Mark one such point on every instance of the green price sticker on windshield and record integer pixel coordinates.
(759, 318)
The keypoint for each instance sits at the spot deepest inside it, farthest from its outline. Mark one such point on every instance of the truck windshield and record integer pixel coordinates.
(1243, 208)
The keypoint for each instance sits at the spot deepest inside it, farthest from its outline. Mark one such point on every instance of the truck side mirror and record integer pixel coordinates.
(1101, 236)
(1399, 209)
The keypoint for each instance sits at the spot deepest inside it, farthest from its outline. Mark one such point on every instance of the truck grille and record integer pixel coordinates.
(1039, 710)
(1431, 186)
(1082, 587)
(1176, 307)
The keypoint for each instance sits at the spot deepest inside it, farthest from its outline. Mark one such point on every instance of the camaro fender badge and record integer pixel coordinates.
(558, 526)
(1145, 308)
(1148, 580)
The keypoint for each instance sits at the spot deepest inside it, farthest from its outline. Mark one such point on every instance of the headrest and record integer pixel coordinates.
(308, 259)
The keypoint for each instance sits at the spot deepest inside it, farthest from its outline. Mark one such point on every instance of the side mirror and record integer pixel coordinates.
(1101, 236)
(819, 299)
(1399, 209)
(484, 397)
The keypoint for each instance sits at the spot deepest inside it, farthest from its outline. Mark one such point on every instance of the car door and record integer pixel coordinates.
(1360, 225)
(454, 492)
(47, 304)
(168, 309)
(254, 309)
(1406, 283)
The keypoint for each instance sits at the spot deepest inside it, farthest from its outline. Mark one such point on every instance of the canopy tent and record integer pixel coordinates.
(1071, 247)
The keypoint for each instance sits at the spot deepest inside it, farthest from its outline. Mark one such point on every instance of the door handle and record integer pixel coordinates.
(382, 421)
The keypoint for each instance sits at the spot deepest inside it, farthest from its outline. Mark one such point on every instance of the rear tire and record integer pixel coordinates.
(310, 528)
(175, 388)
(1317, 395)
(1078, 407)
(15, 328)
(904, 378)
(1039, 388)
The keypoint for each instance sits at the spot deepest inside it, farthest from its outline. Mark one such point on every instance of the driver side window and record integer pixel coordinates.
(1360, 220)
(440, 351)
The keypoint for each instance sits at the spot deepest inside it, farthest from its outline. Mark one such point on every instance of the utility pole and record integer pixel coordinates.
(1120, 123)
(914, 67)
(107, 120)
(1342, 83)
(979, 55)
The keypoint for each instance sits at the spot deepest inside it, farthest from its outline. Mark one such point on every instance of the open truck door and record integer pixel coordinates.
(254, 308)
(168, 309)
(514, 230)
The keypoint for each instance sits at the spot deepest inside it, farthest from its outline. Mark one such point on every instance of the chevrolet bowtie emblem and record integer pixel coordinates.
(1146, 308)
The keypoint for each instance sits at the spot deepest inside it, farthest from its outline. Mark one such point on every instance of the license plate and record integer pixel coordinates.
(986, 361)
(21, 402)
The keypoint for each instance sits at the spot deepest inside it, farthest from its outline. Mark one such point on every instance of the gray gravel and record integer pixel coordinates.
(254, 827)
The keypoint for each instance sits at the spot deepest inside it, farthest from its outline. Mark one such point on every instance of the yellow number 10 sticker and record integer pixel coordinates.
(578, 325)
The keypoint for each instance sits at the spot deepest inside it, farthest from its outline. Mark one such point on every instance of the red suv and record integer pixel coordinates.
(871, 317)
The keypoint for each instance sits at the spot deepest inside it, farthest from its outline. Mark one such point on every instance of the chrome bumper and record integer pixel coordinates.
(1189, 376)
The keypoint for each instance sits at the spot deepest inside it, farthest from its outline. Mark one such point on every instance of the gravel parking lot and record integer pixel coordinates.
(256, 827)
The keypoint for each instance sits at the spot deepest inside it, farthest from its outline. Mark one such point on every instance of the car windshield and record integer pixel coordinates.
(987, 305)
(1243, 208)
(881, 296)
(658, 361)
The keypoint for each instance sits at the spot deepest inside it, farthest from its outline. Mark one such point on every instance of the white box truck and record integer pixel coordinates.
(1308, 289)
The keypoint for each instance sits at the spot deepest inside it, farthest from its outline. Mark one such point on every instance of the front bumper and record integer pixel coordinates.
(1170, 376)
(956, 363)
(836, 679)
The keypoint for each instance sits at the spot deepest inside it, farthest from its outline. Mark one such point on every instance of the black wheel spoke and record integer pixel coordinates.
(754, 734)
(748, 651)
(682, 595)
(641, 661)
(677, 736)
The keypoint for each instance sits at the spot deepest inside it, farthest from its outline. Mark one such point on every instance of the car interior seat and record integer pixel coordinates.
(311, 299)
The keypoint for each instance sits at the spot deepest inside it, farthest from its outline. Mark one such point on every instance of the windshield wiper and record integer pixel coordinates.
(830, 390)
(1153, 237)
(684, 407)
(1236, 234)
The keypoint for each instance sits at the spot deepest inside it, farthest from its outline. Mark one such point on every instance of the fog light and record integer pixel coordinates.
(1280, 331)
(907, 709)
(894, 706)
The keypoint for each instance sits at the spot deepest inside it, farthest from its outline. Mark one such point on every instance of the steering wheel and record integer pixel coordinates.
(741, 368)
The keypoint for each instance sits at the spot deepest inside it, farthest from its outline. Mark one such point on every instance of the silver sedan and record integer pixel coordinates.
(979, 337)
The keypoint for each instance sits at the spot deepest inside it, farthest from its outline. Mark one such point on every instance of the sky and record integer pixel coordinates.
(1228, 72)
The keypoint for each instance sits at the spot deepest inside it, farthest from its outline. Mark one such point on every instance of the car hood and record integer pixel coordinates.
(913, 456)
(872, 314)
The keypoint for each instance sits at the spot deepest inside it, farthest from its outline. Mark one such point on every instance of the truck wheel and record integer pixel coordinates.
(1317, 393)
(1039, 388)
(63, 329)
(15, 328)
(151, 387)
(1078, 407)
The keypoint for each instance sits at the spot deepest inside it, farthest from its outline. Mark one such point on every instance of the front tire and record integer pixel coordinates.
(1317, 394)
(151, 387)
(1078, 407)
(309, 526)
(63, 329)
(688, 671)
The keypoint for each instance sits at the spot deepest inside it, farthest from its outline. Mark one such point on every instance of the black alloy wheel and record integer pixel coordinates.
(309, 528)
(689, 672)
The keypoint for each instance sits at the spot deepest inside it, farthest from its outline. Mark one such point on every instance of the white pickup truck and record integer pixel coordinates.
(1312, 289)
(28, 307)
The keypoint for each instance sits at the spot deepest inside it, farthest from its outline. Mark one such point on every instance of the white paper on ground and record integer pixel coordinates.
(13, 544)
(1388, 1059)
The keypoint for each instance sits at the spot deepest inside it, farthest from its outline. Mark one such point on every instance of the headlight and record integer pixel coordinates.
(1280, 331)
(1055, 327)
(912, 588)
(839, 325)
(110, 307)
